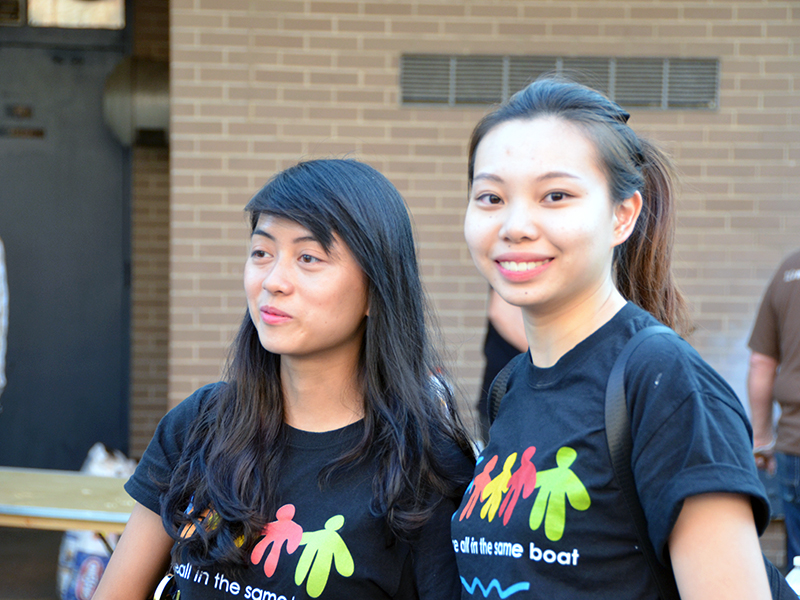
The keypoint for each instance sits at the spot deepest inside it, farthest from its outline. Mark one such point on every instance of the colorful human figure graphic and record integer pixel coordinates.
(188, 529)
(523, 481)
(208, 518)
(277, 533)
(556, 486)
(480, 482)
(323, 548)
(495, 489)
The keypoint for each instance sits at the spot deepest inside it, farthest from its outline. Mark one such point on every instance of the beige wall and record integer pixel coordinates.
(257, 85)
(149, 250)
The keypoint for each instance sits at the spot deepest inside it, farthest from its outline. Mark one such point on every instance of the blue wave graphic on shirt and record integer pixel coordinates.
(517, 587)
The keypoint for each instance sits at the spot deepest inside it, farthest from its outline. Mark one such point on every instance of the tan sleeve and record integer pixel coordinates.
(765, 336)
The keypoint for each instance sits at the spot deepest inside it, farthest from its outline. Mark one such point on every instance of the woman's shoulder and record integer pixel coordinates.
(179, 419)
(672, 359)
(200, 400)
(456, 459)
(667, 381)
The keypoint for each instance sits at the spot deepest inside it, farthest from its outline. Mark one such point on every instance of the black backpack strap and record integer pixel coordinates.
(620, 446)
(499, 386)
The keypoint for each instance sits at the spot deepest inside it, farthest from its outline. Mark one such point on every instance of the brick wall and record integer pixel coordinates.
(258, 84)
(150, 250)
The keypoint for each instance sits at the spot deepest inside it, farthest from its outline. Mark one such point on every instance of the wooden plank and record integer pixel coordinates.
(59, 524)
(62, 500)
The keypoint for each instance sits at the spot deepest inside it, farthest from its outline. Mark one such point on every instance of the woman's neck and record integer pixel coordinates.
(552, 334)
(321, 395)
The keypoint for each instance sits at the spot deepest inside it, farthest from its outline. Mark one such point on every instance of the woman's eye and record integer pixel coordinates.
(308, 259)
(556, 196)
(258, 254)
(490, 199)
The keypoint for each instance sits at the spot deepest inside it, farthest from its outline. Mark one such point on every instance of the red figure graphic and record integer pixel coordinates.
(276, 533)
(523, 480)
(478, 484)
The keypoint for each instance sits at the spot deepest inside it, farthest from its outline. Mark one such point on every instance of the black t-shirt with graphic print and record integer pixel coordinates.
(544, 517)
(324, 542)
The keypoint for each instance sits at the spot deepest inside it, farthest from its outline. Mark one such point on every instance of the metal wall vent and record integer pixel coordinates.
(463, 80)
(10, 12)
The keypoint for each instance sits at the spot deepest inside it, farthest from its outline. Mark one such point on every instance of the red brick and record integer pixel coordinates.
(387, 8)
(522, 28)
(307, 95)
(496, 10)
(574, 29)
(329, 42)
(654, 12)
(252, 22)
(278, 41)
(227, 5)
(546, 13)
(737, 31)
(442, 10)
(416, 26)
(361, 26)
(307, 24)
(338, 8)
(279, 76)
(307, 60)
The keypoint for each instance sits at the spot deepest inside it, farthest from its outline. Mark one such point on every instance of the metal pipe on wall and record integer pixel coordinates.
(136, 102)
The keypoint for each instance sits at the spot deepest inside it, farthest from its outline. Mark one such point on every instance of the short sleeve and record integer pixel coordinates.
(691, 436)
(162, 453)
(765, 337)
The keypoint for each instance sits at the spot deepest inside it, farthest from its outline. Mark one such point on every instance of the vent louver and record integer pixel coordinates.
(658, 83)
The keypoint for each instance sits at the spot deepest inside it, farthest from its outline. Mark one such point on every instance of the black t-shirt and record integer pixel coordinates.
(544, 517)
(324, 542)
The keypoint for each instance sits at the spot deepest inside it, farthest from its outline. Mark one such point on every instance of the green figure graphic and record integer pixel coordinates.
(322, 549)
(495, 489)
(557, 485)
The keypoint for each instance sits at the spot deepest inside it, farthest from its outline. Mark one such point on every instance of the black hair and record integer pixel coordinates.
(643, 263)
(232, 459)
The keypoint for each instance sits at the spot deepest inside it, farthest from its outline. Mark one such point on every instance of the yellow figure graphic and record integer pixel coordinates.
(556, 487)
(323, 548)
(495, 489)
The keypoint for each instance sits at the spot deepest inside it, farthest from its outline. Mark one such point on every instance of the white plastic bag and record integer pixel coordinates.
(83, 555)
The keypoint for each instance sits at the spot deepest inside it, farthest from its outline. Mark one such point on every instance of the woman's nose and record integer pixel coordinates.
(519, 222)
(277, 280)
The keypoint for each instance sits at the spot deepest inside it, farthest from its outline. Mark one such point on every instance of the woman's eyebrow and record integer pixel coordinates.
(263, 233)
(542, 177)
(305, 238)
(297, 240)
(556, 175)
(488, 176)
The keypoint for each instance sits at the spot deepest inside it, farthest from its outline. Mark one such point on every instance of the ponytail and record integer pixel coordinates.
(643, 264)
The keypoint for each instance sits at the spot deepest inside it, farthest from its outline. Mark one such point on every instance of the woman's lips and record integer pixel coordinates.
(521, 268)
(273, 316)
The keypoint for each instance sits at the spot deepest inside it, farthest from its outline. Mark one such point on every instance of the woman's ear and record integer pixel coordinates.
(625, 215)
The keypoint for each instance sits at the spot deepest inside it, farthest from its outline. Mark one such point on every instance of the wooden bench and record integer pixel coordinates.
(62, 500)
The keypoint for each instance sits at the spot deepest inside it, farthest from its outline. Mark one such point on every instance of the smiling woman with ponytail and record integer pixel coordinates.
(571, 216)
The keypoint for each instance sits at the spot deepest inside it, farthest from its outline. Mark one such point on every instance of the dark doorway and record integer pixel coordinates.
(64, 219)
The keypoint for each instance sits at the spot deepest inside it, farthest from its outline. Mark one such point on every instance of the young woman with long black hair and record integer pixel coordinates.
(571, 216)
(330, 461)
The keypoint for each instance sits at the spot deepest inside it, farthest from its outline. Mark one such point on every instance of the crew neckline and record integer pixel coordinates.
(548, 376)
(299, 438)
